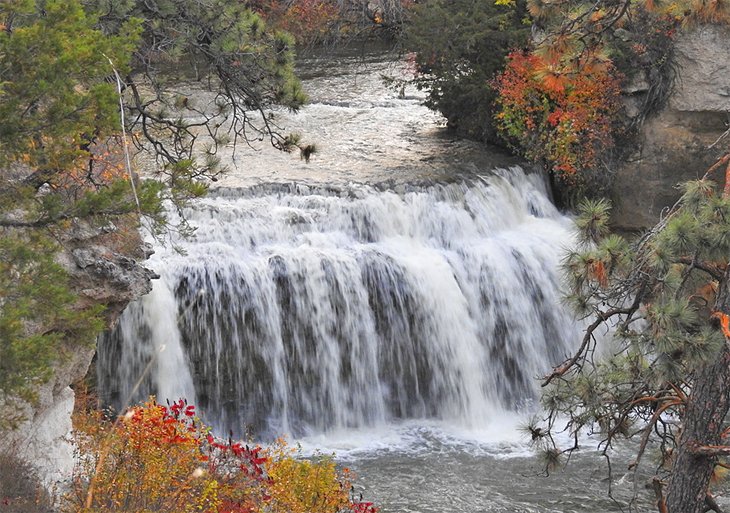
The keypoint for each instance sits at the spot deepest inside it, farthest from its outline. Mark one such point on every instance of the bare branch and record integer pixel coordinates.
(601, 317)
(710, 450)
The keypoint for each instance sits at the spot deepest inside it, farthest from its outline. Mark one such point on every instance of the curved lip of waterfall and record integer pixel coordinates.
(398, 184)
(503, 439)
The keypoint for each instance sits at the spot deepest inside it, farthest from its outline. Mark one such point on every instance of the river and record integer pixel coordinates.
(392, 301)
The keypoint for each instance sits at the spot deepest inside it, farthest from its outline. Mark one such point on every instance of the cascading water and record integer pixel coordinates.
(300, 310)
(401, 323)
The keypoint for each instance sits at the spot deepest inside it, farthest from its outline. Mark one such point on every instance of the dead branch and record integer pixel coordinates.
(710, 450)
(568, 364)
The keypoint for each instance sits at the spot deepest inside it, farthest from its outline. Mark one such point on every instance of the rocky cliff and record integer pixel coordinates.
(685, 137)
(104, 265)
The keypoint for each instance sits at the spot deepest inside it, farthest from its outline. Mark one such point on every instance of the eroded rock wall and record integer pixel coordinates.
(104, 264)
(685, 138)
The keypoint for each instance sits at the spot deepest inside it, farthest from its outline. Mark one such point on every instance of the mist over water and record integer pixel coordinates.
(393, 301)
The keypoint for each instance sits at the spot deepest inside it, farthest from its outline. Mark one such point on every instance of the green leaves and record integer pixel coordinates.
(52, 67)
(593, 219)
(460, 46)
(36, 314)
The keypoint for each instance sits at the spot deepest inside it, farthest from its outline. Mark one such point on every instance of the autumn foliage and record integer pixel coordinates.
(556, 116)
(160, 459)
(308, 20)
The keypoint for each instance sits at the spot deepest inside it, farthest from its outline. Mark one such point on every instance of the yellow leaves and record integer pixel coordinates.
(163, 460)
(509, 3)
(303, 486)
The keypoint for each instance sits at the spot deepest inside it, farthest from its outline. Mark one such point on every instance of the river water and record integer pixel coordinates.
(392, 301)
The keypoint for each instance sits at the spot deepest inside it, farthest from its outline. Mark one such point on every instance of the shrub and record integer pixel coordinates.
(459, 46)
(163, 459)
(558, 116)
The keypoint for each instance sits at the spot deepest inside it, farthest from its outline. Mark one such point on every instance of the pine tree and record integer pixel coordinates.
(665, 375)
(64, 64)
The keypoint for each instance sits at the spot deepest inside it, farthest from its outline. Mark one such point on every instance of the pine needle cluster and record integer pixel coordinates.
(652, 318)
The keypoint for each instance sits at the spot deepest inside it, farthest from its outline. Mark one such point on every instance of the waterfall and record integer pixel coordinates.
(303, 309)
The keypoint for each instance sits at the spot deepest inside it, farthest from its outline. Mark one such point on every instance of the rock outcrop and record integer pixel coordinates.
(104, 269)
(686, 137)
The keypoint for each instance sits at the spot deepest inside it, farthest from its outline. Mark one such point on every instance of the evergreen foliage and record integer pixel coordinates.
(203, 76)
(459, 47)
(36, 314)
(665, 299)
(54, 102)
(62, 66)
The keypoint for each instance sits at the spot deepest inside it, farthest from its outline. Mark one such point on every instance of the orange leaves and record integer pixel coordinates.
(724, 321)
(306, 20)
(598, 273)
(163, 459)
(557, 113)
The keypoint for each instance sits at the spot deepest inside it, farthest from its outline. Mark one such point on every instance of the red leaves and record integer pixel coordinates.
(306, 20)
(598, 272)
(555, 113)
(164, 455)
(363, 507)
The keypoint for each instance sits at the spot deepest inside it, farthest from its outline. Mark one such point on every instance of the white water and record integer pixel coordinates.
(302, 311)
(393, 301)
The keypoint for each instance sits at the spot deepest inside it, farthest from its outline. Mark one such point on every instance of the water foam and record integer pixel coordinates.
(313, 311)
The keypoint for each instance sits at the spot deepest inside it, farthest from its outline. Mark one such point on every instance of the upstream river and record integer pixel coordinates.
(392, 301)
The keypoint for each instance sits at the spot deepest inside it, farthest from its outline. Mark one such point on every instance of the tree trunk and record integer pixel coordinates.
(707, 406)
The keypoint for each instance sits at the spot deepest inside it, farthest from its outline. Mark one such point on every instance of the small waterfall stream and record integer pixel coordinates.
(297, 309)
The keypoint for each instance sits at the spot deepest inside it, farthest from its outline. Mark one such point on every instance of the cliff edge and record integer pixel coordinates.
(685, 138)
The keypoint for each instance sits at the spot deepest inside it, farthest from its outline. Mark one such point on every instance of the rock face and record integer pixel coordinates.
(680, 142)
(104, 267)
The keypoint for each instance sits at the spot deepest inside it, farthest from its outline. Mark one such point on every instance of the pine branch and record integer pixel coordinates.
(710, 450)
(723, 160)
(568, 364)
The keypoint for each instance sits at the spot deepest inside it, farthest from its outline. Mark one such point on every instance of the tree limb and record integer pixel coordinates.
(710, 450)
(713, 270)
(568, 364)
(660, 502)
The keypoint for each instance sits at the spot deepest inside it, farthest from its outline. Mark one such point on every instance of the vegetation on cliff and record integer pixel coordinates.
(158, 458)
(545, 78)
(64, 153)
